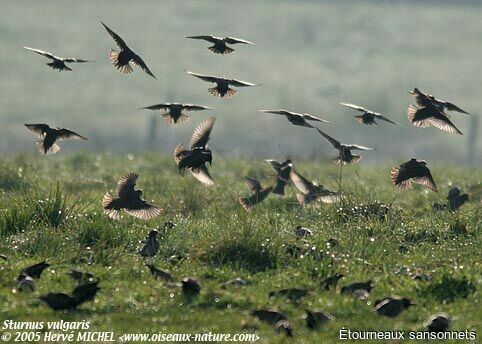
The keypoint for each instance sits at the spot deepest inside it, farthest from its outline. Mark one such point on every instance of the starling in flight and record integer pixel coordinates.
(58, 63)
(311, 192)
(345, 155)
(259, 194)
(220, 43)
(283, 170)
(222, 88)
(368, 116)
(48, 136)
(176, 112)
(413, 170)
(295, 118)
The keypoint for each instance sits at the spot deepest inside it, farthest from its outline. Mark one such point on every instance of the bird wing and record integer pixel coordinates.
(354, 106)
(453, 107)
(380, 116)
(73, 59)
(240, 83)
(234, 40)
(126, 184)
(314, 118)
(202, 133)
(38, 129)
(301, 183)
(253, 185)
(203, 77)
(193, 107)
(202, 174)
(334, 142)
(208, 38)
(419, 117)
(442, 122)
(274, 164)
(280, 112)
(137, 61)
(143, 210)
(66, 134)
(359, 147)
(163, 106)
(118, 41)
(43, 53)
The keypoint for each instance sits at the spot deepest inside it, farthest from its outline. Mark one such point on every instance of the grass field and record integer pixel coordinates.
(51, 209)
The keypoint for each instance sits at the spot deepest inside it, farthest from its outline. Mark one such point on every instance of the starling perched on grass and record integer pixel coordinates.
(311, 192)
(290, 293)
(220, 43)
(151, 245)
(222, 88)
(368, 116)
(316, 318)
(80, 276)
(284, 326)
(27, 283)
(456, 199)
(302, 232)
(158, 273)
(128, 199)
(331, 281)
(283, 170)
(121, 59)
(268, 315)
(58, 63)
(33, 271)
(80, 294)
(439, 322)
(198, 155)
(429, 113)
(413, 170)
(392, 306)
(345, 155)
(48, 136)
(176, 112)
(299, 119)
(351, 288)
(259, 194)
(190, 287)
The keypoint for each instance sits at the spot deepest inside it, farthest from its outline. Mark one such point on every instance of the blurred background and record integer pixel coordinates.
(308, 55)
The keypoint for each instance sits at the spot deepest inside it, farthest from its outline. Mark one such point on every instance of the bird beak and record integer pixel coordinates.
(411, 92)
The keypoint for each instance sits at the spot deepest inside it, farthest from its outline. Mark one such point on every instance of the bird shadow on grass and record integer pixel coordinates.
(449, 289)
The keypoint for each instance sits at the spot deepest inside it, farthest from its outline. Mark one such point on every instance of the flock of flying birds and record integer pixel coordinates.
(428, 111)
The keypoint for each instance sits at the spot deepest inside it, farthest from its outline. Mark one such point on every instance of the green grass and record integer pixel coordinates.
(50, 208)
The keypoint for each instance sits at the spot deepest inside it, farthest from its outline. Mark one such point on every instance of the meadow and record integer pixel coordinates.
(50, 208)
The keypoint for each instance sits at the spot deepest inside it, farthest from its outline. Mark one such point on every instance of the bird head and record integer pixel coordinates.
(153, 233)
(407, 303)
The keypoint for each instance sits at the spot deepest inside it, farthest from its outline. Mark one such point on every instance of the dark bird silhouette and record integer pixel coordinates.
(295, 118)
(290, 293)
(392, 306)
(283, 170)
(351, 288)
(190, 287)
(47, 137)
(311, 192)
(331, 281)
(345, 155)
(196, 157)
(220, 43)
(222, 88)
(33, 271)
(439, 322)
(302, 232)
(423, 99)
(176, 112)
(413, 170)
(268, 315)
(151, 245)
(80, 276)
(456, 199)
(4, 257)
(58, 63)
(59, 301)
(238, 281)
(85, 292)
(80, 294)
(316, 318)
(284, 326)
(259, 194)
(121, 59)
(368, 116)
(128, 199)
(158, 273)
